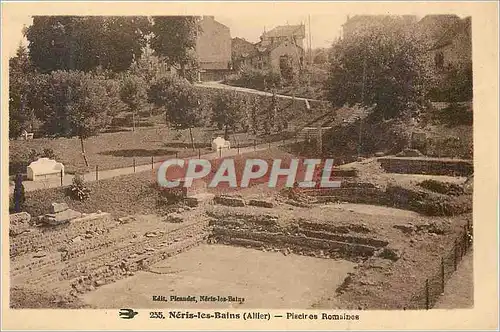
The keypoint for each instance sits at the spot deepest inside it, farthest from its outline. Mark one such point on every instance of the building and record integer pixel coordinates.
(280, 49)
(242, 53)
(213, 48)
(453, 49)
(431, 27)
(360, 24)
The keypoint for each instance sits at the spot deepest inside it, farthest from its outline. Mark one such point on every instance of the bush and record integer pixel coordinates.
(455, 87)
(255, 79)
(18, 161)
(455, 115)
(78, 189)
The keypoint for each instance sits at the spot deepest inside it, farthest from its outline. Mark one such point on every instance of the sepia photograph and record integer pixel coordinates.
(181, 163)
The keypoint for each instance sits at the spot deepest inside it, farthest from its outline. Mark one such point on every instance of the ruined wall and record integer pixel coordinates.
(302, 237)
(94, 250)
(427, 166)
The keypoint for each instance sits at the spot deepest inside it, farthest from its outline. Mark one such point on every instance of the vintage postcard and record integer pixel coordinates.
(249, 166)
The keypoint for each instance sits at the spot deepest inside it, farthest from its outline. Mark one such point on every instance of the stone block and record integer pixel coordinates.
(261, 203)
(390, 253)
(174, 218)
(59, 207)
(61, 217)
(21, 217)
(229, 201)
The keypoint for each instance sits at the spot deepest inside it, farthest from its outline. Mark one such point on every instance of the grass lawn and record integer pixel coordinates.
(115, 150)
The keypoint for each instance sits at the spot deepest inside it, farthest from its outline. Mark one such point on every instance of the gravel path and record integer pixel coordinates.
(106, 174)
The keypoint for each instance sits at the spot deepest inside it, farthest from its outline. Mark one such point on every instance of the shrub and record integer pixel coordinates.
(78, 189)
(454, 115)
(255, 78)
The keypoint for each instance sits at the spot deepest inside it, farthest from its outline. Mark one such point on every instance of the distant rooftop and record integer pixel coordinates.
(286, 30)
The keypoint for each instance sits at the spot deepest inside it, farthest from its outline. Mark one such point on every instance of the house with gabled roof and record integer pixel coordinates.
(279, 48)
(213, 49)
(453, 49)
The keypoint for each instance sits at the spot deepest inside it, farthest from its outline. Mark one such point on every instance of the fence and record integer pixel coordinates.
(434, 287)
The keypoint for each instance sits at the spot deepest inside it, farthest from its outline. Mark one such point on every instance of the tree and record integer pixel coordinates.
(20, 112)
(174, 38)
(183, 107)
(77, 104)
(382, 67)
(86, 42)
(133, 93)
(320, 56)
(227, 111)
(253, 111)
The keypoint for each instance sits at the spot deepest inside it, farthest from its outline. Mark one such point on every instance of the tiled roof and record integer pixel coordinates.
(286, 30)
(461, 26)
(242, 48)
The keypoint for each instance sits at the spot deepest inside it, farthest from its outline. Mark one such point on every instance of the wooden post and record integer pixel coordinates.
(442, 275)
(254, 144)
(134, 165)
(199, 153)
(427, 302)
(62, 178)
(96, 172)
(269, 144)
(152, 162)
(238, 148)
(220, 152)
(176, 154)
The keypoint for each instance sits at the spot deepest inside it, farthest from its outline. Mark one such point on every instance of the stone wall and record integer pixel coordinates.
(451, 167)
(94, 250)
(299, 236)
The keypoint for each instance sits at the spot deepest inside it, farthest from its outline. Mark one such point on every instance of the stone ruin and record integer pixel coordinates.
(60, 214)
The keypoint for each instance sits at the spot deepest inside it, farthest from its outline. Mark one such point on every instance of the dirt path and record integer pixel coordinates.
(459, 290)
(106, 174)
(218, 85)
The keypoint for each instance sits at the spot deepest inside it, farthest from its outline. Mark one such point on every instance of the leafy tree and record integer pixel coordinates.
(253, 111)
(133, 93)
(20, 112)
(455, 86)
(320, 56)
(183, 107)
(86, 42)
(382, 67)
(174, 38)
(77, 104)
(149, 68)
(227, 111)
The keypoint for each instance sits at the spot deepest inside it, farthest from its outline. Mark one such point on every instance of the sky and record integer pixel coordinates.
(325, 28)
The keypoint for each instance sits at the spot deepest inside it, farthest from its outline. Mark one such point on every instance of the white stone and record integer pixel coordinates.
(220, 144)
(43, 168)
